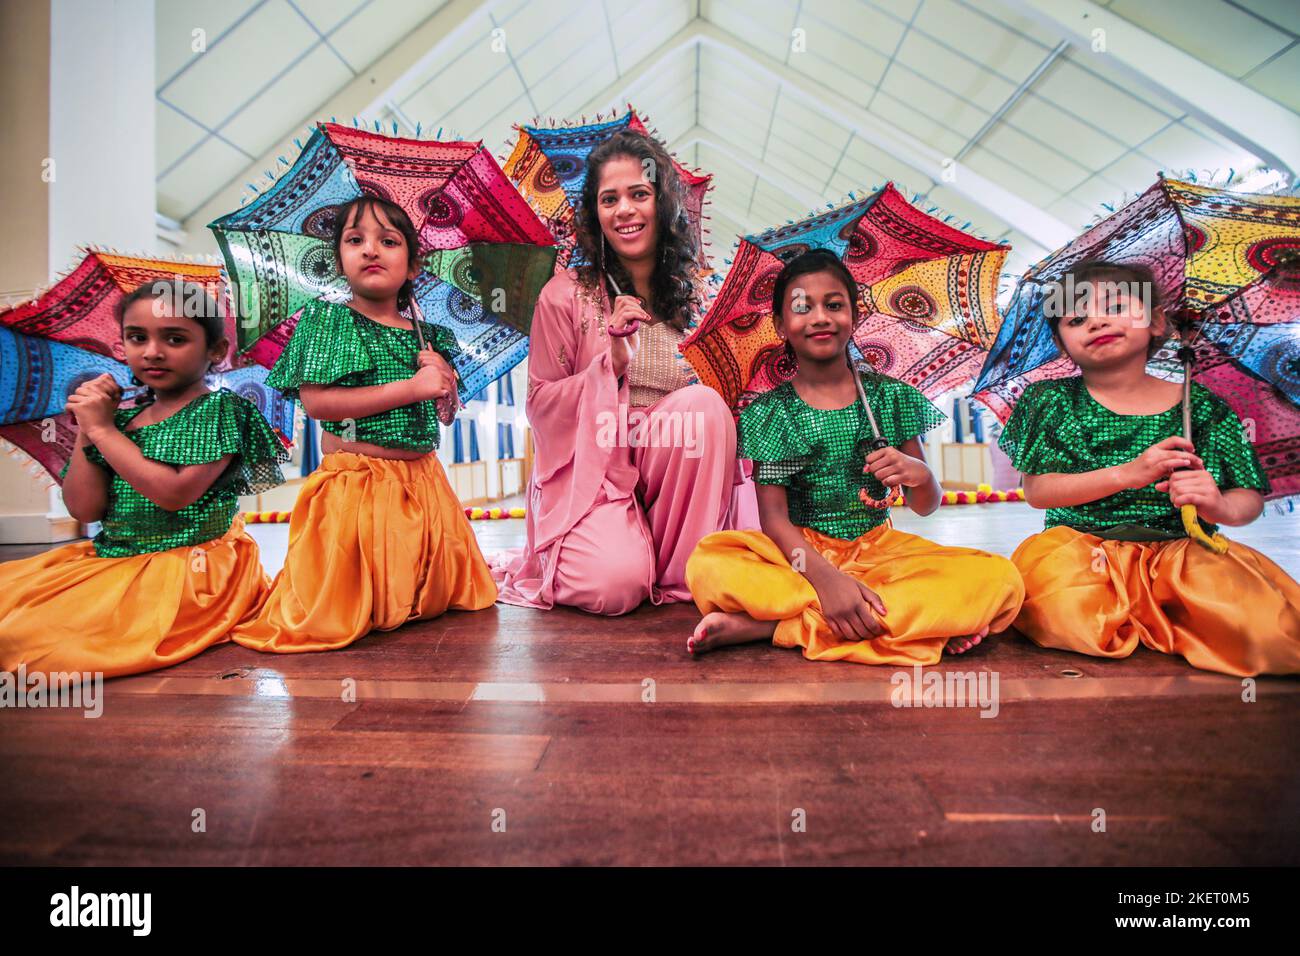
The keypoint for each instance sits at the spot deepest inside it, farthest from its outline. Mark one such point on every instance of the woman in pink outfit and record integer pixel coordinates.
(634, 463)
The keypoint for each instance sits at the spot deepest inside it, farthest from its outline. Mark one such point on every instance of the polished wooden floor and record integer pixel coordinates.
(516, 737)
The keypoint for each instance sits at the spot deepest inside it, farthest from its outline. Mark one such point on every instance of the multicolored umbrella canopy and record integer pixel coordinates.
(487, 254)
(549, 164)
(79, 308)
(69, 335)
(927, 298)
(37, 375)
(1227, 270)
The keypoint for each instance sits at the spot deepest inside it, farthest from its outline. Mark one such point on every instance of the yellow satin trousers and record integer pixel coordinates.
(373, 543)
(931, 593)
(68, 610)
(1236, 613)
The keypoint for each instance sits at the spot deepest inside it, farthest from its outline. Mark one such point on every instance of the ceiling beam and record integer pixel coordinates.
(1016, 95)
(724, 230)
(613, 97)
(400, 114)
(1231, 108)
(443, 32)
(365, 95)
(801, 195)
(1037, 224)
(1002, 203)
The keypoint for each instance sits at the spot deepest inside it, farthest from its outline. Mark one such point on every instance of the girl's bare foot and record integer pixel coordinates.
(719, 628)
(960, 645)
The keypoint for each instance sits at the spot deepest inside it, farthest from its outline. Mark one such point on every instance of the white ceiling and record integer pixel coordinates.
(883, 89)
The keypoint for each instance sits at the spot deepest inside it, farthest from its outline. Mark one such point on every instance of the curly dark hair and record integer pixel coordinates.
(674, 292)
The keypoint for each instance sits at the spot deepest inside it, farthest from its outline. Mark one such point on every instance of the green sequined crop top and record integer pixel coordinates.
(1057, 427)
(210, 427)
(819, 454)
(333, 344)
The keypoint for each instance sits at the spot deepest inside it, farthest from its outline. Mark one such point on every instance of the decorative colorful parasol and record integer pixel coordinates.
(487, 253)
(68, 335)
(1227, 268)
(79, 308)
(549, 164)
(927, 301)
(36, 377)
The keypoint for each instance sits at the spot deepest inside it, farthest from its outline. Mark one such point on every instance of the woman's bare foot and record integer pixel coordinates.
(719, 628)
(960, 645)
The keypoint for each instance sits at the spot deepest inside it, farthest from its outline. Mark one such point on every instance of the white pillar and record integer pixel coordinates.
(101, 127)
(77, 94)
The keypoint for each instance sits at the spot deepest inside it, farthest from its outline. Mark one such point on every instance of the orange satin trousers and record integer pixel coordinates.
(931, 592)
(373, 543)
(1237, 613)
(69, 610)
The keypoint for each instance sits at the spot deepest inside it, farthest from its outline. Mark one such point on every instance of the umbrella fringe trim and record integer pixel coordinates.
(913, 198)
(1232, 180)
(1208, 178)
(271, 176)
(84, 251)
(34, 468)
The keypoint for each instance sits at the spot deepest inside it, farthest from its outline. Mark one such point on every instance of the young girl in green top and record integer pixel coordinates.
(1103, 452)
(828, 572)
(377, 537)
(172, 570)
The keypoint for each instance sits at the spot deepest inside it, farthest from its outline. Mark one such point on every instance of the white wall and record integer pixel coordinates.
(101, 127)
(100, 188)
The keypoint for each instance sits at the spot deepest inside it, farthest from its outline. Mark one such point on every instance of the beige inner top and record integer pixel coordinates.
(658, 367)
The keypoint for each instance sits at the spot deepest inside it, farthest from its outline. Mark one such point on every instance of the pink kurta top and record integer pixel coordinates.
(640, 503)
(570, 382)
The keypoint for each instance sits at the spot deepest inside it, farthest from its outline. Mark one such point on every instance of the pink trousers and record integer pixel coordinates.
(628, 548)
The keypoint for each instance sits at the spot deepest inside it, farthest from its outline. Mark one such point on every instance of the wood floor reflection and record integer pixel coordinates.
(516, 737)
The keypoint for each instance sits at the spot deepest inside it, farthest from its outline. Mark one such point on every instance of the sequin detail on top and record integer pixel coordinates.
(818, 454)
(1057, 427)
(210, 427)
(658, 366)
(335, 345)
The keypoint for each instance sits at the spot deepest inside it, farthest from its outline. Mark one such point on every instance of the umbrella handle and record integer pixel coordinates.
(631, 327)
(877, 441)
(1191, 523)
(417, 317)
(449, 405)
(890, 494)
